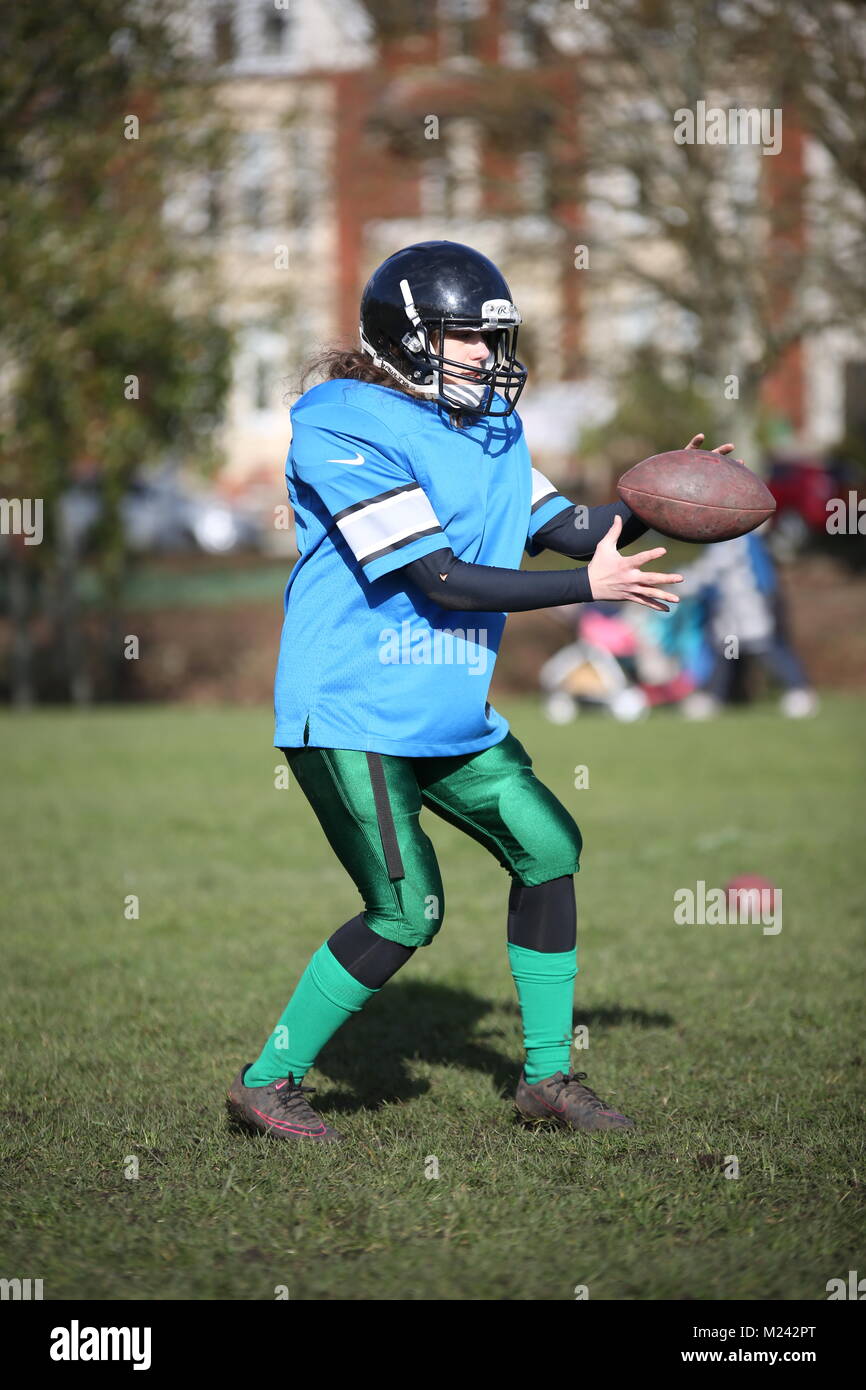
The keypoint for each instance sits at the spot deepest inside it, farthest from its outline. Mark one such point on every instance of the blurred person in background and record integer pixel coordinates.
(746, 618)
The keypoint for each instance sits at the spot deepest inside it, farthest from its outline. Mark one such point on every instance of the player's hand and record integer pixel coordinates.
(619, 577)
(697, 442)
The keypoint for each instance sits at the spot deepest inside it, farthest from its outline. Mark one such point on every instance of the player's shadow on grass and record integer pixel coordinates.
(436, 1024)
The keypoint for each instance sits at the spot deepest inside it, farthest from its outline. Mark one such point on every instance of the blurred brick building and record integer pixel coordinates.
(359, 138)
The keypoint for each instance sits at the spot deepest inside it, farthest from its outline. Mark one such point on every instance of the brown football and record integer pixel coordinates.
(694, 495)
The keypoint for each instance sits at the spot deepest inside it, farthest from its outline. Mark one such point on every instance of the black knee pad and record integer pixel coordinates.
(369, 958)
(543, 917)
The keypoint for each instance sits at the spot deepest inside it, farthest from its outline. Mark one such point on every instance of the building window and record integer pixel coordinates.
(262, 384)
(421, 15)
(302, 188)
(855, 400)
(521, 43)
(224, 45)
(464, 158)
(261, 366)
(275, 28)
(743, 171)
(253, 207)
(432, 188)
(255, 177)
(213, 204)
(450, 183)
(533, 180)
(463, 11)
(461, 19)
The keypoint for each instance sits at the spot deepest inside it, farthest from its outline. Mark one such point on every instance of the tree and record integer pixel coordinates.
(732, 256)
(749, 252)
(111, 350)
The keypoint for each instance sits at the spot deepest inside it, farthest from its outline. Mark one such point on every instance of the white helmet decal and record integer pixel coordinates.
(496, 312)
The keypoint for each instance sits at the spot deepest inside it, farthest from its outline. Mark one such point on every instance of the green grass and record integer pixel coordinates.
(119, 1036)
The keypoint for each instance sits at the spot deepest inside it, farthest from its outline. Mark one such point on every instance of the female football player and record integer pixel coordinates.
(414, 498)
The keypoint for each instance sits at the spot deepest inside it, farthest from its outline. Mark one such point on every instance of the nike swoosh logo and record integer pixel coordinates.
(355, 462)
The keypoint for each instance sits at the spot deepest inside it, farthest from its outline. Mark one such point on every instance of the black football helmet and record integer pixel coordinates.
(439, 287)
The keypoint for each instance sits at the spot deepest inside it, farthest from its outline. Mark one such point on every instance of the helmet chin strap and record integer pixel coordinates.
(468, 393)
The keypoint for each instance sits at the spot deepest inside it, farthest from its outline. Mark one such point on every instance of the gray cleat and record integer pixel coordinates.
(278, 1109)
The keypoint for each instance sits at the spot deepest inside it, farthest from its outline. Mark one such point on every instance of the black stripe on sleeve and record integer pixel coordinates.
(380, 497)
(401, 544)
(548, 496)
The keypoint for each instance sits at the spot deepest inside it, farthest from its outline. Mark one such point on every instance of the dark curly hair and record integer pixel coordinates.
(338, 361)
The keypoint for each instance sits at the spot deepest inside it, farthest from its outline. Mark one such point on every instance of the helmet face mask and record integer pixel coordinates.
(436, 289)
(501, 371)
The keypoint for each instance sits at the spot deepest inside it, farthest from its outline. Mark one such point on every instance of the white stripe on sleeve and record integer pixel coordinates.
(542, 489)
(389, 522)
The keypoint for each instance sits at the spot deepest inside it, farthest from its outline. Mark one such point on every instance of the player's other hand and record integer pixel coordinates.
(620, 578)
(697, 442)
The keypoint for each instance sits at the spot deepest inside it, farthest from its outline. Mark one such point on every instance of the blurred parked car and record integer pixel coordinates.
(161, 512)
(802, 487)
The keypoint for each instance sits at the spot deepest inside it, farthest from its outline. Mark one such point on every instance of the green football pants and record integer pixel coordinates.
(369, 807)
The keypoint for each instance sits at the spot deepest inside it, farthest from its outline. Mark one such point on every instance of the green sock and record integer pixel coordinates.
(545, 989)
(325, 996)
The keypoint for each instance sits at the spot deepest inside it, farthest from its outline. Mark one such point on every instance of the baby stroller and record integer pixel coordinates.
(626, 659)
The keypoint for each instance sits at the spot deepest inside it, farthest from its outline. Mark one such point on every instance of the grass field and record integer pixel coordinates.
(120, 1036)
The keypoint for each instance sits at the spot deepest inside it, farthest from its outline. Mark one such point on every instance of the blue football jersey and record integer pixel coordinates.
(376, 479)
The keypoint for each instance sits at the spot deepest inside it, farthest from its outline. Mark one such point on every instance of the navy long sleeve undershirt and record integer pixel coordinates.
(469, 588)
(565, 535)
